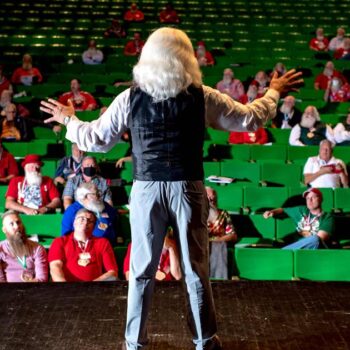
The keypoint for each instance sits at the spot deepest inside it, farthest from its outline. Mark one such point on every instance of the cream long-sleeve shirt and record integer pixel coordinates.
(221, 112)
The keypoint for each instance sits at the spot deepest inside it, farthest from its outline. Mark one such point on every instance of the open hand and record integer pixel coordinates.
(289, 81)
(58, 110)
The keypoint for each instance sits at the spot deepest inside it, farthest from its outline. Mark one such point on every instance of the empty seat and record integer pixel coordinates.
(342, 199)
(230, 197)
(244, 173)
(278, 152)
(274, 174)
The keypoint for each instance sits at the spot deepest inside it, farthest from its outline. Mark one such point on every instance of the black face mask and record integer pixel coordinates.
(90, 171)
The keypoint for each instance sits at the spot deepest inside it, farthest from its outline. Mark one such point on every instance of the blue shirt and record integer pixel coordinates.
(104, 225)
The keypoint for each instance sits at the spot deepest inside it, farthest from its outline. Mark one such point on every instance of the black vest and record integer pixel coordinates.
(167, 136)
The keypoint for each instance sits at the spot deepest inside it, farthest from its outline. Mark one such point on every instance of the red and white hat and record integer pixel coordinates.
(31, 158)
(313, 190)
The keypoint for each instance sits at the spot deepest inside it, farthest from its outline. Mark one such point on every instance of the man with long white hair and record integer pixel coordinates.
(167, 110)
(32, 193)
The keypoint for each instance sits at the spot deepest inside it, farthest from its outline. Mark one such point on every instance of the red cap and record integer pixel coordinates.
(314, 190)
(201, 43)
(31, 158)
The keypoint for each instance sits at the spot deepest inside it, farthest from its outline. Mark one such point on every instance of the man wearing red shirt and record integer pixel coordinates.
(168, 15)
(320, 43)
(82, 100)
(4, 82)
(204, 57)
(258, 137)
(323, 79)
(8, 166)
(134, 47)
(337, 91)
(33, 193)
(134, 14)
(27, 74)
(343, 53)
(81, 257)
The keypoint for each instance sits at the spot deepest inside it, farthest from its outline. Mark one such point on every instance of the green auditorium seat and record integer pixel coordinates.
(47, 227)
(127, 172)
(244, 173)
(285, 229)
(49, 168)
(3, 190)
(118, 151)
(342, 199)
(44, 133)
(343, 153)
(88, 116)
(18, 149)
(300, 154)
(218, 136)
(230, 198)
(322, 265)
(264, 263)
(275, 174)
(275, 152)
(241, 152)
(259, 199)
(211, 168)
(279, 136)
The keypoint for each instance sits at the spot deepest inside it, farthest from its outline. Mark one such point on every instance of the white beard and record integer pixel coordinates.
(33, 178)
(95, 206)
(307, 123)
(285, 109)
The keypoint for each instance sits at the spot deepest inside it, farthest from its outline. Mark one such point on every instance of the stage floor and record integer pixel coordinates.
(251, 315)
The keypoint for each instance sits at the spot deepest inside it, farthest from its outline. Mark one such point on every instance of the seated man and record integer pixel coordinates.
(80, 256)
(204, 57)
(313, 225)
(92, 55)
(337, 91)
(258, 137)
(89, 170)
(338, 41)
(169, 264)
(21, 260)
(261, 81)
(221, 231)
(5, 84)
(168, 15)
(341, 132)
(82, 100)
(134, 46)
(324, 170)
(322, 80)
(27, 74)
(320, 42)
(231, 86)
(116, 30)
(12, 126)
(343, 53)
(287, 115)
(69, 166)
(310, 131)
(6, 98)
(8, 166)
(88, 197)
(32, 193)
(134, 14)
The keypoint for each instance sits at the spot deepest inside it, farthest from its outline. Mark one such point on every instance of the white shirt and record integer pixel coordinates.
(92, 56)
(313, 165)
(294, 136)
(340, 134)
(336, 43)
(221, 112)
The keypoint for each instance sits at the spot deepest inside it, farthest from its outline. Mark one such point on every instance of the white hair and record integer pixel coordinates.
(83, 189)
(167, 65)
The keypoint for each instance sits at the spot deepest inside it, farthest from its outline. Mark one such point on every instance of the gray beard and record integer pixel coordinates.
(95, 206)
(33, 178)
(307, 123)
(213, 214)
(286, 110)
(20, 245)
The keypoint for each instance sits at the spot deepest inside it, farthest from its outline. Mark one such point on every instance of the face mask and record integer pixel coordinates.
(90, 171)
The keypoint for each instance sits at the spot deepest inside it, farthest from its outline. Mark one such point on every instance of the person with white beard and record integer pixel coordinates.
(310, 131)
(287, 115)
(21, 260)
(88, 196)
(32, 193)
(230, 85)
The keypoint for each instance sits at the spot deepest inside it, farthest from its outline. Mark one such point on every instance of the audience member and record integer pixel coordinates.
(134, 14)
(323, 79)
(92, 55)
(231, 86)
(221, 231)
(261, 81)
(4, 82)
(89, 171)
(343, 53)
(69, 166)
(169, 262)
(80, 256)
(27, 74)
(338, 41)
(82, 100)
(12, 126)
(312, 223)
(310, 131)
(21, 260)
(251, 94)
(134, 46)
(337, 91)
(204, 57)
(280, 68)
(32, 193)
(341, 132)
(287, 115)
(88, 197)
(8, 166)
(324, 170)
(258, 137)
(116, 30)
(168, 15)
(6, 98)
(320, 42)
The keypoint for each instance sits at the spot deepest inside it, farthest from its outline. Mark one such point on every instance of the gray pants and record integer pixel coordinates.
(218, 260)
(154, 206)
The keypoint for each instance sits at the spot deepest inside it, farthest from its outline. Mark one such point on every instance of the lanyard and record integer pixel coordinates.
(310, 221)
(83, 245)
(22, 261)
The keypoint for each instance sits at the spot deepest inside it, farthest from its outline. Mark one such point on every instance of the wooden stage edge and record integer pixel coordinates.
(251, 315)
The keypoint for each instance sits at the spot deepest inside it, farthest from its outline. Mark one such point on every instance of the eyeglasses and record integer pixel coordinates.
(84, 219)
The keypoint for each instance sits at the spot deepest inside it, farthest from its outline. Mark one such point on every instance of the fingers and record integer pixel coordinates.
(50, 120)
(54, 102)
(46, 104)
(70, 103)
(274, 75)
(46, 110)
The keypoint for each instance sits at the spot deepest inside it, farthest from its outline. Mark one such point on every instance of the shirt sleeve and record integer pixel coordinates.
(56, 251)
(53, 191)
(294, 137)
(223, 113)
(109, 262)
(308, 168)
(60, 168)
(41, 266)
(12, 190)
(102, 134)
(295, 213)
(69, 189)
(67, 220)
